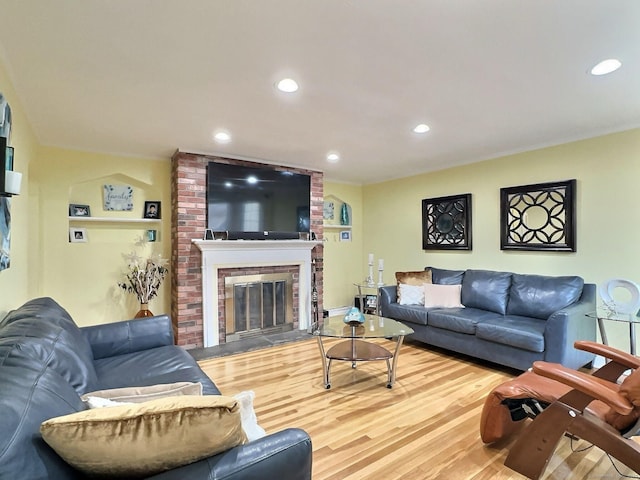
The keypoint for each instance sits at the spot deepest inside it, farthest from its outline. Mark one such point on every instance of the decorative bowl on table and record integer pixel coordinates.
(354, 316)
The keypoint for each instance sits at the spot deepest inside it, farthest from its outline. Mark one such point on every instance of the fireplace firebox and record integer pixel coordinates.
(258, 304)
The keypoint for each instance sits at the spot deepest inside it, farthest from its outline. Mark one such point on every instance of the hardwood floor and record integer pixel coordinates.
(426, 427)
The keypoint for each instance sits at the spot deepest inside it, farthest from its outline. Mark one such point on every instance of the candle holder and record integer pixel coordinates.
(369, 280)
(380, 280)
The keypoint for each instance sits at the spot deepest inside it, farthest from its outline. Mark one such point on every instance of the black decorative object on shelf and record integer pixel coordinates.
(539, 217)
(446, 223)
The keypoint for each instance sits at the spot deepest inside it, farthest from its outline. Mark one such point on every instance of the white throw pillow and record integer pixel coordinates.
(411, 294)
(444, 296)
(252, 430)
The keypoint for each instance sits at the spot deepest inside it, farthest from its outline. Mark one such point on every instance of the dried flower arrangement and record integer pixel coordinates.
(144, 275)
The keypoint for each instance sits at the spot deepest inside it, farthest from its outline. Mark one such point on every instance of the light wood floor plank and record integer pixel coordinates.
(426, 427)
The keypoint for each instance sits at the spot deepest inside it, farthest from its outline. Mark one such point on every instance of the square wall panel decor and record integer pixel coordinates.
(446, 223)
(539, 217)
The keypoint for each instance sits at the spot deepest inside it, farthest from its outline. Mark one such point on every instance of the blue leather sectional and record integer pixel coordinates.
(509, 319)
(47, 362)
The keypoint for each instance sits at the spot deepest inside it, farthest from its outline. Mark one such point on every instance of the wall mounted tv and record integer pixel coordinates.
(257, 202)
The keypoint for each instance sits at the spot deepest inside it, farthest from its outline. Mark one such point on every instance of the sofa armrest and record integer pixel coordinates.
(285, 455)
(388, 295)
(129, 336)
(568, 325)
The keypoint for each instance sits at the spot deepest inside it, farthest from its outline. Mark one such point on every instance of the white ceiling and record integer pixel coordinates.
(145, 77)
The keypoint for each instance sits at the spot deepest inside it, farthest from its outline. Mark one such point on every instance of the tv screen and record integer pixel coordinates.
(257, 199)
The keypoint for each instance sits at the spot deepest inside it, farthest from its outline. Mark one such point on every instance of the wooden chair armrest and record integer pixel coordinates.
(596, 388)
(618, 356)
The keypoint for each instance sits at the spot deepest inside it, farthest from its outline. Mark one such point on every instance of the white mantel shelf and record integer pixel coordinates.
(251, 245)
(219, 254)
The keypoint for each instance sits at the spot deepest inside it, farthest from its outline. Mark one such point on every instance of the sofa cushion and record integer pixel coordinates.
(412, 278)
(32, 392)
(168, 364)
(540, 296)
(461, 320)
(524, 333)
(486, 290)
(45, 331)
(446, 277)
(146, 438)
(407, 313)
(411, 294)
(143, 394)
(442, 296)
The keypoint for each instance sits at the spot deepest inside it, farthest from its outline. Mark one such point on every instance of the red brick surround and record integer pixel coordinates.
(188, 221)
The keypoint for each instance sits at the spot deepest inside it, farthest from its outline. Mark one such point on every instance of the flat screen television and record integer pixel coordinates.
(257, 202)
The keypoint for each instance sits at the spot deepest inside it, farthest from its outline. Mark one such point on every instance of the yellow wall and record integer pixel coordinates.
(15, 283)
(83, 277)
(607, 170)
(343, 261)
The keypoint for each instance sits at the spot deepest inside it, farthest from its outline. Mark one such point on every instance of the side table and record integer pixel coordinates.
(362, 297)
(628, 318)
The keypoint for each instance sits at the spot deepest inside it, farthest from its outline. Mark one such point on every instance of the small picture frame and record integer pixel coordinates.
(151, 209)
(371, 301)
(76, 210)
(78, 235)
(152, 235)
(345, 236)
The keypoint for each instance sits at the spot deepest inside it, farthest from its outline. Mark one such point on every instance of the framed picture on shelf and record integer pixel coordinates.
(151, 209)
(78, 235)
(345, 236)
(371, 302)
(118, 198)
(76, 210)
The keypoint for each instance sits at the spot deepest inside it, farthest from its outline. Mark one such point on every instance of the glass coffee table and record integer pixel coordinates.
(355, 348)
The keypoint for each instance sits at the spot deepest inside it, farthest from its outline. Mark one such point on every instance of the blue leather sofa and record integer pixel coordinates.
(509, 318)
(47, 362)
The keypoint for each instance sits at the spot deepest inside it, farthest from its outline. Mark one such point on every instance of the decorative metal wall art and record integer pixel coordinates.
(539, 217)
(446, 223)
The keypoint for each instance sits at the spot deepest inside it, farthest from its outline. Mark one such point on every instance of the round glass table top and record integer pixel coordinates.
(373, 327)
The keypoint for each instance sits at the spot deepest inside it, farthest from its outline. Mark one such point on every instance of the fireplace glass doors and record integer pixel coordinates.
(258, 304)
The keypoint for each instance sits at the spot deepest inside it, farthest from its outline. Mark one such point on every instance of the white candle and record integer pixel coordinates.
(371, 259)
(381, 264)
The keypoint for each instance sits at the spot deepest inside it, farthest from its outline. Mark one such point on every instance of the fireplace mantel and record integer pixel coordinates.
(218, 254)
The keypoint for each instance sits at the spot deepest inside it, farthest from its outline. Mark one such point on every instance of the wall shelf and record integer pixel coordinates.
(332, 211)
(329, 226)
(113, 220)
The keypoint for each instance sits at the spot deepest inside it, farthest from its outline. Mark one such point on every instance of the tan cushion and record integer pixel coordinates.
(146, 438)
(412, 278)
(144, 394)
(630, 389)
(444, 296)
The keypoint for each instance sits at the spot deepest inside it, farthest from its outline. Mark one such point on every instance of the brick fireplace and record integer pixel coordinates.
(196, 321)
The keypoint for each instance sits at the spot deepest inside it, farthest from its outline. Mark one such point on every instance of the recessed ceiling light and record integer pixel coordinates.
(222, 137)
(333, 157)
(421, 128)
(287, 85)
(606, 66)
